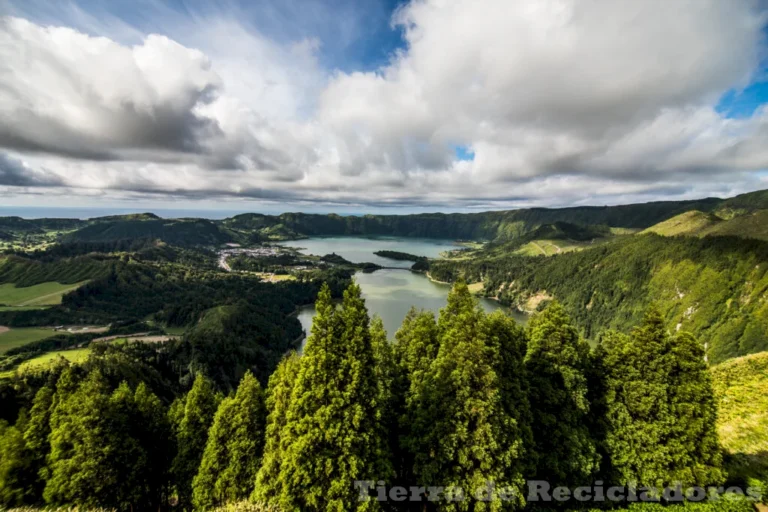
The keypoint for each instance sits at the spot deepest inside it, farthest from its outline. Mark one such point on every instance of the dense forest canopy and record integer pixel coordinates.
(456, 402)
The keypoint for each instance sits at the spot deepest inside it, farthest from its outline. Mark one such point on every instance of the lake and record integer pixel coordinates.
(389, 293)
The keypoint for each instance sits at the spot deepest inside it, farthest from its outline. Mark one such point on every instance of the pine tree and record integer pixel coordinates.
(191, 417)
(14, 466)
(461, 437)
(153, 431)
(36, 438)
(694, 445)
(386, 375)
(556, 361)
(508, 343)
(658, 394)
(233, 452)
(417, 343)
(278, 399)
(415, 348)
(332, 436)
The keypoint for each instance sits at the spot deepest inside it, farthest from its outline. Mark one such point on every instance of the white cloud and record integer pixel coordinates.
(561, 101)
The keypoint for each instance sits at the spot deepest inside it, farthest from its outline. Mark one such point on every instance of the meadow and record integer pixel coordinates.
(43, 294)
(17, 337)
(77, 355)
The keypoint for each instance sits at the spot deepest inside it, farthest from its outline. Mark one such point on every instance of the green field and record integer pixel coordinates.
(75, 355)
(21, 336)
(741, 387)
(43, 294)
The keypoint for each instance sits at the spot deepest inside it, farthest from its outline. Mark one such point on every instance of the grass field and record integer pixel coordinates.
(21, 336)
(741, 388)
(75, 355)
(43, 294)
(551, 247)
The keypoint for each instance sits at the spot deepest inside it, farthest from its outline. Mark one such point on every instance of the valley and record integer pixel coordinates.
(163, 302)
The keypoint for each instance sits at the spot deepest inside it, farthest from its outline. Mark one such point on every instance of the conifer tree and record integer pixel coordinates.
(95, 460)
(14, 467)
(332, 435)
(36, 435)
(191, 417)
(278, 400)
(556, 361)
(153, 430)
(417, 343)
(415, 348)
(386, 375)
(233, 452)
(694, 445)
(658, 395)
(508, 344)
(461, 437)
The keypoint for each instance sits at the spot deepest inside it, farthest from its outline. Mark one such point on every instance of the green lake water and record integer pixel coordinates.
(389, 293)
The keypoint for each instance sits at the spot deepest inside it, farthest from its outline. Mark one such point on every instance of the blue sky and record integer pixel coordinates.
(380, 105)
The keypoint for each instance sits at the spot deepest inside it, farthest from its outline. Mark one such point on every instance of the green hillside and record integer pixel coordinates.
(688, 223)
(741, 388)
(714, 287)
(746, 224)
(751, 225)
(25, 272)
(183, 232)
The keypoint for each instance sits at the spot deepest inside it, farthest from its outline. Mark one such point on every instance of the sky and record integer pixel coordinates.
(380, 105)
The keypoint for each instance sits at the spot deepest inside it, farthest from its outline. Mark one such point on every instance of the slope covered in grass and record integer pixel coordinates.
(749, 225)
(688, 223)
(741, 388)
(43, 294)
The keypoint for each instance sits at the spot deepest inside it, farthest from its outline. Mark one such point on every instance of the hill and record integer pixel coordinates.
(494, 225)
(746, 224)
(714, 287)
(688, 223)
(741, 388)
(182, 232)
(752, 225)
(484, 226)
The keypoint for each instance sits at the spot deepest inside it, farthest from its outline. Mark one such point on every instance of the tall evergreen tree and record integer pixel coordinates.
(14, 467)
(235, 444)
(191, 418)
(153, 430)
(386, 375)
(332, 436)
(461, 437)
(660, 411)
(278, 400)
(508, 344)
(415, 348)
(694, 445)
(556, 361)
(36, 438)
(97, 458)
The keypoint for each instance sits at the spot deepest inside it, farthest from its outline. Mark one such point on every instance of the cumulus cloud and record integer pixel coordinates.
(15, 173)
(559, 101)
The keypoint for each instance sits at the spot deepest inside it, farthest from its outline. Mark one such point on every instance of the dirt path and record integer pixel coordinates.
(4, 329)
(540, 248)
(37, 299)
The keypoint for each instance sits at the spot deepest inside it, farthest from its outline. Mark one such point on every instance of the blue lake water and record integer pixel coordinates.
(389, 293)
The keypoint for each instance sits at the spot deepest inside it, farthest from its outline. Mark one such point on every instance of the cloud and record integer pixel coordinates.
(64, 92)
(15, 173)
(560, 102)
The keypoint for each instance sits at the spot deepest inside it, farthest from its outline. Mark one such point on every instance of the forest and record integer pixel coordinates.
(455, 402)
(192, 389)
(712, 286)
